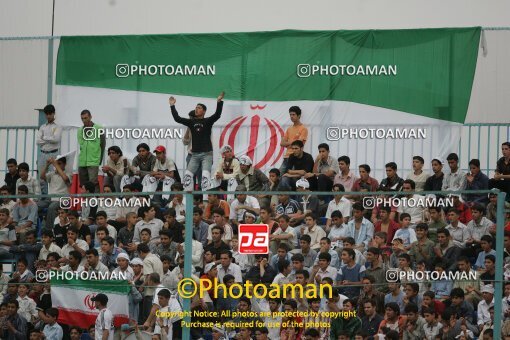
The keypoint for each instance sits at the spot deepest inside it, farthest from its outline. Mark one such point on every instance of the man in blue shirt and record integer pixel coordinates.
(52, 330)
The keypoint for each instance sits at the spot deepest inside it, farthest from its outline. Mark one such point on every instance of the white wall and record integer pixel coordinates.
(23, 64)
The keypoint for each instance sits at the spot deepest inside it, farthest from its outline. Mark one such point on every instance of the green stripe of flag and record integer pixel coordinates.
(102, 286)
(435, 67)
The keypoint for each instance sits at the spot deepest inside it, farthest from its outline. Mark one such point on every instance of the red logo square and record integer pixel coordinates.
(253, 239)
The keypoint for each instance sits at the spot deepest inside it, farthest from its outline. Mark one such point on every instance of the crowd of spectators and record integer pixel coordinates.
(334, 239)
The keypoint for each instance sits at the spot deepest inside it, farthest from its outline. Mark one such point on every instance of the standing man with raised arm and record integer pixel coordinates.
(201, 145)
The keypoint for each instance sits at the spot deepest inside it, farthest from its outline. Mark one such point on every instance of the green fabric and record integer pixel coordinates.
(90, 150)
(104, 286)
(435, 67)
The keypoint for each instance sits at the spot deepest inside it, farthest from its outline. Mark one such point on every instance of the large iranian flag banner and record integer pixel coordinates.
(73, 298)
(388, 79)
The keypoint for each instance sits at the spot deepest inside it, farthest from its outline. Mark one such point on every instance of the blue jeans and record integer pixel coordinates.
(198, 176)
(41, 163)
(200, 159)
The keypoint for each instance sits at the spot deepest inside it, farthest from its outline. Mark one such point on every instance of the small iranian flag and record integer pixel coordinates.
(73, 298)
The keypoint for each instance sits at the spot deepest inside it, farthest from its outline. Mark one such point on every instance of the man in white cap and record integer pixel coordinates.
(484, 305)
(241, 204)
(253, 179)
(228, 166)
(123, 270)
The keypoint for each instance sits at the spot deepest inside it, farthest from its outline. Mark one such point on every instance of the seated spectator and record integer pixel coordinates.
(397, 248)
(324, 169)
(284, 269)
(442, 287)
(325, 247)
(338, 230)
(359, 228)
(300, 163)
(457, 229)
(365, 181)
(32, 184)
(369, 291)
(345, 176)
(463, 209)
(412, 295)
(49, 246)
(460, 307)
(59, 182)
(102, 221)
(412, 204)
(471, 288)
(415, 323)
(217, 245)
(476, 180)
(24, 213)
(27, 306)
(376, 269)
(6, 203)
(350, 275)
(15, 324)
(315, 232)
(393, 320)
(177, 203)
(52, 330)
(429, 301)
(486, 245)
(126, 234)
(93, 264)
(109, 253)
(478, 226)
(284, 234)
(386, 224)
(252, 179)
(392, 182)
(11, 176)
(150, 221)
(173, 226)
(371, 319)
(323, 269)
(305, 249)
(143, 163)
(339, 203)
(281, 254)
(432, 327)
(116, 167)
(436, 222)
(288, 206)
(60, 228)
(456, 179)
(350, 244)
(29, 250)
(228, 167)
(214, 202)
(405, 233)
(418, 176)
(489, 275)
(220, 222)
(404, 265)
(423, 248)
(261, 272)
(487, 302)
(435, 182)
(7, 234)
(119, 219)
(309, 203)
(228, 267)
(241, 204)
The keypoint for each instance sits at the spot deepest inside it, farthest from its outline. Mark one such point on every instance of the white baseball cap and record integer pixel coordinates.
(245, 160)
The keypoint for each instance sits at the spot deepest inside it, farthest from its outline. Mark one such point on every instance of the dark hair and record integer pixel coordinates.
(275, 171)
(297, 257)
(430, 294)
(405, 256)
(393, 306)
(443, 231)
(49, 109)
(218, 211)
(48, 233)
(142, 146)
(228, 277)
(344, 159)
(306, 238)
(410, 182)
(487, 238)
(391, 165)
(358, 206)
(457, 293)
(349, 240)
(369, 278)
(283, 246)
(171, 212)
(411, 308)
(491, 258)
(452, 157)
(52, 312)
(419, 158)
(323, 146)
(339, 186)
(89, 186)
(282, 264)
(422, 226)
(103, 228)
(197, 210)
(414, 286)
(366, 167)
(13, 301)
(115, 149)
(478, 207)
(305, 273)
(142, 248)
(374, 250)
(312, 332)
(12, 161)
(108, 239)
(202, 106)
(85, 112)
(55, 255)
(296, 110)
(92, 251)
(285, 217)
(337, 214)
(164, 293)
(23, 166)
(297, 143)
(312, 215)
(404, 215)
(350, 252)
(325, 256)
(23, 260)
(76, 254)
(291, 303)
(475, 162)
